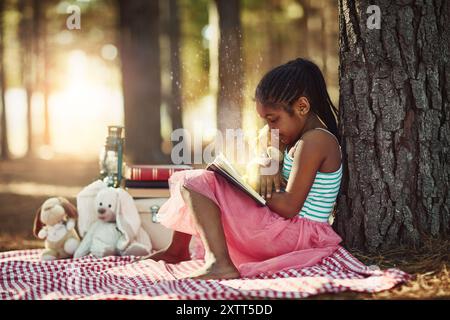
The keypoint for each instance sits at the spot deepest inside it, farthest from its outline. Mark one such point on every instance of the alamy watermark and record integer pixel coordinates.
(73, 21)
(189, 148)
(374, 20)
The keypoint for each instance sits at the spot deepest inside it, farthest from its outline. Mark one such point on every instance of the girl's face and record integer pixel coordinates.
(289, 126)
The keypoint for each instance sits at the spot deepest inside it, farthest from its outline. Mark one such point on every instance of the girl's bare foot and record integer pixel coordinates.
(169, 256)
(216, 271)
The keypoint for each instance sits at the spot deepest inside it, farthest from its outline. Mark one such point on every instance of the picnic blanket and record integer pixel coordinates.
(24, 276)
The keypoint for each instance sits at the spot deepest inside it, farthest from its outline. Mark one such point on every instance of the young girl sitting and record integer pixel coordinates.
(242, 238)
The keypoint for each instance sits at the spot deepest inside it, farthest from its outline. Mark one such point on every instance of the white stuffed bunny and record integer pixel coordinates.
(55, 222)
(117, 230)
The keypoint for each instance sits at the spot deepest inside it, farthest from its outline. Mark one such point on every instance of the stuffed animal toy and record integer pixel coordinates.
(117, 230)
(55, 222)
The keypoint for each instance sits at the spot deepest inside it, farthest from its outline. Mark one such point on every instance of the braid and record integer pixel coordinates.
(285, 84)
(326, 111)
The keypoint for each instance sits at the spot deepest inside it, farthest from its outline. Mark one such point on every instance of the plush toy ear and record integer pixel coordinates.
(87, 211)
(38, 225)
(128, 219)
(69, 208)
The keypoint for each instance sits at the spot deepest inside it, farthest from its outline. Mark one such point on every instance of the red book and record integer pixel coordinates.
(152, 172)
(146, 184)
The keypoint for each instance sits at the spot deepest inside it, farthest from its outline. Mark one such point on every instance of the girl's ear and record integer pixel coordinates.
(302, 107)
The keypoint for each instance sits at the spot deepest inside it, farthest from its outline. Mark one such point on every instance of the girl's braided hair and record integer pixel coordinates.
(285, 84)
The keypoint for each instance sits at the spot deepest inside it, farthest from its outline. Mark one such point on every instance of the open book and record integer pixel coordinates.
(222, 166)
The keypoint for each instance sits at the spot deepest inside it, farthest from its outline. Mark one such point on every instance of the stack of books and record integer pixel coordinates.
(150, 181)
(149, 187)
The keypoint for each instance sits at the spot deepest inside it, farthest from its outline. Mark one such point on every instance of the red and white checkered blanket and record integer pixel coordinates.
(24, 276)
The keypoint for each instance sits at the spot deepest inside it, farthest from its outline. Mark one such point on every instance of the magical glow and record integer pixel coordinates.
(79, 112)
(207, 32)
(16, 117)
(109, 52)
(197, 125)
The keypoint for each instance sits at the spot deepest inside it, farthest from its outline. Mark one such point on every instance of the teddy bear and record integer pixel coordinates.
(117, 229)
(55, 222)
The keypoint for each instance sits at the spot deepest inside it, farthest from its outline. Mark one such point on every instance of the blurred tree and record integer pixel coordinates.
(213, 48)
(324, 53)
(302, 25)
(42, 57)
(4, 151)
(395, 124)
(141, 68)
(27, 71)
(39, 63)
(229, 100)
(274, 34)
(175, 102)
(194, 51)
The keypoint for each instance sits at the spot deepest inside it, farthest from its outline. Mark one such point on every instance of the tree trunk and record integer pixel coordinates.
(229, 99)
(141, 68)
(323, 36)
(275, 42)
(4, 151)
(302, 27)
(27, 72)
(41, 17)
(40, 61)
(395, 124)
(213, 22)
(175, 102)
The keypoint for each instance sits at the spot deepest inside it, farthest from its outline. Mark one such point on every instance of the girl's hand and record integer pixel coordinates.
(270, 181)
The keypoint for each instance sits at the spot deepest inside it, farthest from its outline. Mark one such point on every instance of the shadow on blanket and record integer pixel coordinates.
(24, 276)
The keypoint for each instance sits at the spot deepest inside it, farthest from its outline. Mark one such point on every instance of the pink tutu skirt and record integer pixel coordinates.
(258, 239)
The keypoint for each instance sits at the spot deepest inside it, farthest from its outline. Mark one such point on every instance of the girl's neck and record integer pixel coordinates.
(312, 122)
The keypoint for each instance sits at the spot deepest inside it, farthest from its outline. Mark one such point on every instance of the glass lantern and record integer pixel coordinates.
(111, 157)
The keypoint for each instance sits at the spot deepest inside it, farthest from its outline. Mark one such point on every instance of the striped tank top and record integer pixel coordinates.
(319, 203)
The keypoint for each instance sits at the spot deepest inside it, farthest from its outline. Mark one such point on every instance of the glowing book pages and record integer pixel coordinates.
(222, 166)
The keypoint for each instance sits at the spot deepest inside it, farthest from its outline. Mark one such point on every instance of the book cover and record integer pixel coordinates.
(152, 172)
(222, 166)
(146, 184)
(149, 192)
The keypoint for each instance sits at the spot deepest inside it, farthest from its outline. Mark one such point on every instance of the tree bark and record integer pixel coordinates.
(141, 68)
(4, 151)
(395, 124)
(229, 99)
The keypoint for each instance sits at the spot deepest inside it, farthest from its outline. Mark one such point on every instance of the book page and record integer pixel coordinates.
(222, 162)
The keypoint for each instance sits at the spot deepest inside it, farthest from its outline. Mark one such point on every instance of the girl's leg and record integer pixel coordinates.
(177, 251)
(207, 217)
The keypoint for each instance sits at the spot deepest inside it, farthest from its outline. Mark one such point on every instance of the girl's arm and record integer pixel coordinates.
(279, 203)
(308, 158)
